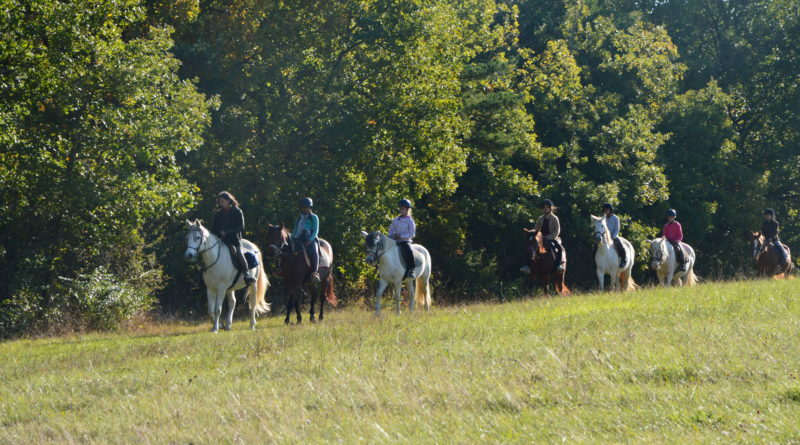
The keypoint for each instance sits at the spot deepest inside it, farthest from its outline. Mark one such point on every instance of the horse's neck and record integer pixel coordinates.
(210, 248)
(388, 244)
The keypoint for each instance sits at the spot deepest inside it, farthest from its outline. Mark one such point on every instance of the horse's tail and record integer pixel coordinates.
(258, 301)
(691, 278)
(423, 292)
(627, 281)
(330, 297)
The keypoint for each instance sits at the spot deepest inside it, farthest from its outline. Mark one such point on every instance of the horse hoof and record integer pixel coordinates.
(227, 328)
(286, 322)
(214, 330)
(313, 320)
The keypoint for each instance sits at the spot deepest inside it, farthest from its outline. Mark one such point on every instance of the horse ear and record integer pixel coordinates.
(189, 223)
(364, 234)
(651, 241)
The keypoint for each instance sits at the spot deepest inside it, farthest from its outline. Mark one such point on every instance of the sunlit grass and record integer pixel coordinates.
(715, 363)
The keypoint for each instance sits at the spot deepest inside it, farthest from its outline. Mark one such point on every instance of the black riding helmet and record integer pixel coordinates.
(672, 212)
(306, 202)
(547, 202)
(608, 206)
(769, 212)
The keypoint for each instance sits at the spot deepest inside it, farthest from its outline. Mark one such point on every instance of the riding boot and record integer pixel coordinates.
(313, 256)
(680, 258)
(248, 279)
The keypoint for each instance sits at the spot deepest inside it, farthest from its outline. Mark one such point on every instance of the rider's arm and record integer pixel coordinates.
(314, 227)
(613, 226)
(538, 225)
(236, 221)
(555, 228)
(393, 228)
(412, 228)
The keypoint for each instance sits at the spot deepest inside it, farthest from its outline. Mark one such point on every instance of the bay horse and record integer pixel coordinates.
(540, 265)
(607, 260)
(295, 272)
(666, 266)
(766, 258)
(383, 252)
(219, 273)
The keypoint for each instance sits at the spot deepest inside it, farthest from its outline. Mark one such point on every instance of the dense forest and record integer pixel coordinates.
(119, 119)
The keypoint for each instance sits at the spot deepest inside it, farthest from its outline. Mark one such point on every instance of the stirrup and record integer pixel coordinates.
(249, 279)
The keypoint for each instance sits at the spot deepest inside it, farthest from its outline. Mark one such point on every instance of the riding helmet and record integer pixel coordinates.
(672, 212)
(547, 202)
(306, 202)
(769, 212)
(404, 203)
(608, 206)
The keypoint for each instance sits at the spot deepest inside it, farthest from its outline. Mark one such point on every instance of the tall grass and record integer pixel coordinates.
(715, 363)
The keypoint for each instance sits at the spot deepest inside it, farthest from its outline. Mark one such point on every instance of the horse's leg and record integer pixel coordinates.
(378, 294)
(615, 282)
(213, 313)
(312, 297)
(398, 296)
(412, 289)
(298, 303)
(668, 279)
(322, 289)
(601, 278)
(231, 307)
(289, 303)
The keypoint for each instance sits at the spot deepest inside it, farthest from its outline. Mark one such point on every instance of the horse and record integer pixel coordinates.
(295, 271)
(665, 264)
(222, 277)
(766, 258)
(540, 264)
(383, 252)
(607, 259)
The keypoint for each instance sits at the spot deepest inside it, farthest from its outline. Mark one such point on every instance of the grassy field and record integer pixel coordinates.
(719, 363)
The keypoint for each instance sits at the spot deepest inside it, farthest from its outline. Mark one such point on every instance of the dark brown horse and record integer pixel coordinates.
(294, 270)
(766, 258)
(540, 264)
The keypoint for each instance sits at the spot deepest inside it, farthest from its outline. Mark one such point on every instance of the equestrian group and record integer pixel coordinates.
(672, 259)
(305, 261)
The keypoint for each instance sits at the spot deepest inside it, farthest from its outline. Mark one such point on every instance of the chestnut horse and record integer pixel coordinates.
(766, 259)
(540, 264)
(294, 270)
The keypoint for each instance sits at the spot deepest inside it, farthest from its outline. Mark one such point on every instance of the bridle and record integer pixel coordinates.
(201, 252)
(378, 252)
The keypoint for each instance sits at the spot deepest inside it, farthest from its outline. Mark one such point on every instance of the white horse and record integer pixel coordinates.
(665, 263)
(383, 251)
(219, 273)
(607, 260)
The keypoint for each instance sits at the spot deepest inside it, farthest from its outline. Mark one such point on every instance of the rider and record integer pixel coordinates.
(673, 232)
(770, 229)
(550, 228)
(305, 231)
(612, 221)
(228, 225)
(402, 231)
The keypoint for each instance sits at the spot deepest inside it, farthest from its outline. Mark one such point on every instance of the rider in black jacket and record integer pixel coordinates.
(770, 229)
(228, 225)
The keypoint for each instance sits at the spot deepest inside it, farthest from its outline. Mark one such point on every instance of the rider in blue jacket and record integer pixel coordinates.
(305, 231)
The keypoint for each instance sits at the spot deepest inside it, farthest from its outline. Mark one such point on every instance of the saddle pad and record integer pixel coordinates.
(252, 260)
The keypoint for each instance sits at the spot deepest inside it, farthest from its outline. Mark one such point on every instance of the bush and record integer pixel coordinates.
(101, 301)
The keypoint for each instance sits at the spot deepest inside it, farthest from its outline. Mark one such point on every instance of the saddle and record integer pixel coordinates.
(417, 258)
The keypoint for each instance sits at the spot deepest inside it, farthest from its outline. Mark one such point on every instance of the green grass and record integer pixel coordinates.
(719, 363)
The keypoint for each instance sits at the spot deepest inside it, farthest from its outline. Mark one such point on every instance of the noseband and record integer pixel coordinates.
(378, 253)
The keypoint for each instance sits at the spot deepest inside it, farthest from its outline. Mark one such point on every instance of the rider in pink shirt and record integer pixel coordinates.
(673, 232)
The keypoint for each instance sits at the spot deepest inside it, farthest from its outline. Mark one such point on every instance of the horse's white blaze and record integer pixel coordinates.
(220, 274)
(665, 263)
(391, 271)
(607, 260)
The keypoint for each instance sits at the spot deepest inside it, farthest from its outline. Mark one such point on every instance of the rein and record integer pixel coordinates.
(376, 254)
(201, 252)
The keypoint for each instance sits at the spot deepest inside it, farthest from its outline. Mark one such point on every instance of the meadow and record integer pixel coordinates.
(718, 363)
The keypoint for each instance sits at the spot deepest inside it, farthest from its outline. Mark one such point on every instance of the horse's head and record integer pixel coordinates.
(600, 227)
(373, 242)
(658, 250)
(533, 241)
(756, 242)
(195, 240)
(277, 239)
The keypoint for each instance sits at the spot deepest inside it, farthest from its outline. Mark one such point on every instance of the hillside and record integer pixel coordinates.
(716, 363)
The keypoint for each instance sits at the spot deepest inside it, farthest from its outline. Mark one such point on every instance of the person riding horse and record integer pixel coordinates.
(770, 229)
(305, 232)
(612, 221)
(673, 232)
(228, 225)
(402, 230)
(550, 229)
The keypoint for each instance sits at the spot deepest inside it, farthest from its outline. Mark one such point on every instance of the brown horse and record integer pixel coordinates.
(294, 270)
(766, 258)
(540, 264)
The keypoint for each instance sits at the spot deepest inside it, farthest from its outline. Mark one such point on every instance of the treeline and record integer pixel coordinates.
(119, 119)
